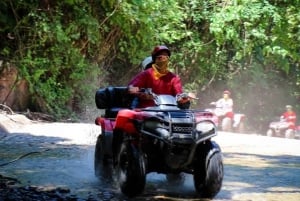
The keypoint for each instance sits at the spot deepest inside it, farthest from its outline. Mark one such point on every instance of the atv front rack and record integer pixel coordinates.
(177, 126)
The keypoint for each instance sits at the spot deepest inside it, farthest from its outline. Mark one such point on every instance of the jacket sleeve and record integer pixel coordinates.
(177, 85)
(139, 80)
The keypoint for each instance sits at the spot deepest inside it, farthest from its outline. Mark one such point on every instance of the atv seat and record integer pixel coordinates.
(113, 99)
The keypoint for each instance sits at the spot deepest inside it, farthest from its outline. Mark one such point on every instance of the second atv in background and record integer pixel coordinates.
(225, 118)
(286, 126)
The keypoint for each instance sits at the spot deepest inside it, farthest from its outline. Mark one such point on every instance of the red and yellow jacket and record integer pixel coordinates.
(168, 83)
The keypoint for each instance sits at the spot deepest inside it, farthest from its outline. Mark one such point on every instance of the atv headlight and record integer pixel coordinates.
(206, 127)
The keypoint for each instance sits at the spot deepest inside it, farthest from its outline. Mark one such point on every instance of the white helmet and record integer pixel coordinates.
(146, 63)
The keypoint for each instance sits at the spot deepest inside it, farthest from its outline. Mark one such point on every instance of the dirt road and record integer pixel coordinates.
(260, 167)
(257, 167)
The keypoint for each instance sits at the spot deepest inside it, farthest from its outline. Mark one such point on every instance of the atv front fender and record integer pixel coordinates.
(125, 121)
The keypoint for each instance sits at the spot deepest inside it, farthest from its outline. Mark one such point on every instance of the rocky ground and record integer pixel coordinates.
(11, 191)
(11, 188)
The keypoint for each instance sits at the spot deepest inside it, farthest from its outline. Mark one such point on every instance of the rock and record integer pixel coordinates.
(14, 92)
(9, 123)
(9, 190)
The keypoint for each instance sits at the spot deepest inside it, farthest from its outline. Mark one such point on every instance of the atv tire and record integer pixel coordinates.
(270, 133)
(226, 124)
(103, 167)
(241, 127)
(209, 170)
(290, 134)
(131, 170)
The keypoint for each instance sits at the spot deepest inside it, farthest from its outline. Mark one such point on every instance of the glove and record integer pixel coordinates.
(145, 96)
(183, 101)
(133, 90)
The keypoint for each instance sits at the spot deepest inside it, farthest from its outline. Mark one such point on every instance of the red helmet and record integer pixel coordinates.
(226, 92)
(158, 49)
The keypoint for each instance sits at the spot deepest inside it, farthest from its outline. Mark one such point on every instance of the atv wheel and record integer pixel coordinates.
(131, 170)
(175, 179)
(290, 133)
(208, 174)
(226, 124)
(270, 133)
(241, 127)
(102, 164)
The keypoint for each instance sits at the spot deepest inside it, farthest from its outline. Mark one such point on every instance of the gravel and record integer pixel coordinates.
(11, 189)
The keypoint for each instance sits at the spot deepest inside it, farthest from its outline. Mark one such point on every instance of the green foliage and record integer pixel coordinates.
(66, 48)
(144, 24)
(50, 56)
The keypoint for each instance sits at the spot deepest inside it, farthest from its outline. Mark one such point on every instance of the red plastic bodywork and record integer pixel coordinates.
(206, 116)
(124, 121)
(126, 118)
(106, 124)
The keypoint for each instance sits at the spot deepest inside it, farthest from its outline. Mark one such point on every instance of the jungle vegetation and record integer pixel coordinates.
(67, 49)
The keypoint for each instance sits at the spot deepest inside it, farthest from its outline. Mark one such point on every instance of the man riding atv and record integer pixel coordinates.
(224, 106)
(290, 116)
(156, 75)
(286, 127)
(225, 115)
(158, 133)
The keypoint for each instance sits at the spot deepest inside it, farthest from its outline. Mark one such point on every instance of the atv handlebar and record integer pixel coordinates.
(147, 93)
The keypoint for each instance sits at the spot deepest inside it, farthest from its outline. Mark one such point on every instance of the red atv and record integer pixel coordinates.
(282, 128)
(165, 139)
(228, 121)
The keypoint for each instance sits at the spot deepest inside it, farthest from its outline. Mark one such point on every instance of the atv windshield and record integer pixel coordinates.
(165, 100)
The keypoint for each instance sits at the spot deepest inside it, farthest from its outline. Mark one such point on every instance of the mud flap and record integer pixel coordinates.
(107, 137)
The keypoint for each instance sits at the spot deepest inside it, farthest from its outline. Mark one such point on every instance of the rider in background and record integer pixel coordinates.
(289, 116)
(147, 63)
(224, 106)
(157, 77)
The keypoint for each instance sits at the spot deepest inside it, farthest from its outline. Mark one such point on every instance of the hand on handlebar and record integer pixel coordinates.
(144, 94)
(133, 90)
(184, 97)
